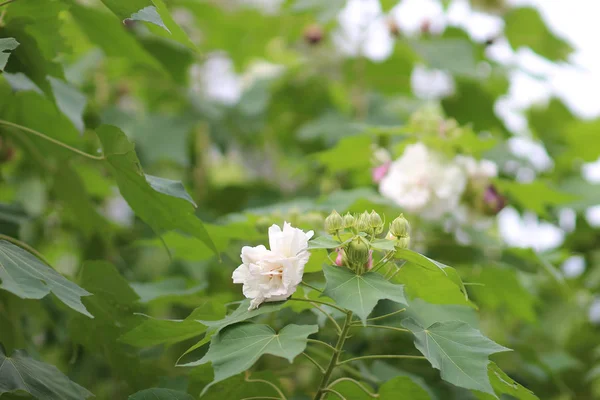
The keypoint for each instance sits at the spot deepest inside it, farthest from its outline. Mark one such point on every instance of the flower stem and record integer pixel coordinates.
(279, 392)
(392, 328)
(52, 140)
(338, 394)
(312, 360)
(386, 315)
(311, 286)
(381, 356)
(318, 302)
(321, 342)
(6, 2)
(337, 326)
(334, 357)
(360, 385)
(25, 246)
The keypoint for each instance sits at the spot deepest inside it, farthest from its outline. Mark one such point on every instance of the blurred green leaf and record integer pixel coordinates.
(6, 46)
(161, 211)
(160, 394)
(27, 277)
(167, 290)
(452, 55)
(505, 385)
(534, 196)
(21, 373)
(525, 28)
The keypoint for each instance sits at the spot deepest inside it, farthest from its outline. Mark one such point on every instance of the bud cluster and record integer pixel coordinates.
(358, 232)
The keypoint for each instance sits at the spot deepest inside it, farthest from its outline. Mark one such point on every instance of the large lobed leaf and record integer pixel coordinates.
(235, 349)
(27, 277)
(21, 373)
(360, 293)
(459, 351)
(162, 205)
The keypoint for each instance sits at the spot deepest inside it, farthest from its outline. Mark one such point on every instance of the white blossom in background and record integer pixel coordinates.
(410, 15)
(532, 151)
(594, 311)
(117, 210)
(420, 181)
(431, 84)
(217, 80)
(481, 170)
(260, 70)
(363, 30)
(273, 275)
(573, 266)
(528, 231)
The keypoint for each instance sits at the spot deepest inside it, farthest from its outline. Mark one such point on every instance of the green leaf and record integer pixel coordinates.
(237, 348)
(69, 189)
(501, 289)
(70, 101)
(405, 385)
(433, 266)
(324, 242)
(427, 314)
(359, 293)
(160, 394)
(21, 373)
(154, 12)
(453, 55)
(505, 385)
(153, 332)
(6, 46)
(535, 196)
(169, 187)
(163, 212)
(524, 27)
(242, 313)
(348, 154)
(28, 278)
(383, 244)
(459, 351)
(107, 32)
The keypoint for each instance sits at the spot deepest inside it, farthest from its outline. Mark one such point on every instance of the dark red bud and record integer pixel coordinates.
(313, 34)
(493, 201)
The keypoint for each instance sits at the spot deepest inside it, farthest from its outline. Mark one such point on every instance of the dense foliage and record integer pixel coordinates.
(145, 144)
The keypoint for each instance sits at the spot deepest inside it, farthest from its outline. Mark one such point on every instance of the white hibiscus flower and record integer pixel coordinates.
(422, 182)
(273, 275)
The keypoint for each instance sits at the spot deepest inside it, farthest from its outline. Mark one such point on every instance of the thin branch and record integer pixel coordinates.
(312, 360)
(338, 394)
(391, 328)
(381, 356)
(321, 342)
(279, 392)
(52, 140)
(6, 2)
(337, 326)
(319, 302)
(261, 398)
(357, 383)
(26, 247)
(386, 315)
(311, 286)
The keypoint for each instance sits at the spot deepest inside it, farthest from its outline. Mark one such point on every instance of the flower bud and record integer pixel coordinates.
(348, 221)
(376, 222)
(363, 222)
(313, 34)
(334, 222)
(493, 202)
(400, 227)
(369, 264)
(358, 253)
(403, 242)
(379, 172)
(341, 258)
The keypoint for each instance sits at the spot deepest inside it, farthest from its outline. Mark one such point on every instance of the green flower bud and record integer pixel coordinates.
(363, 222)
(376, 222)
(403, 242)
(334, 222)
(348, 221)
(400, 227)
(358, 254)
